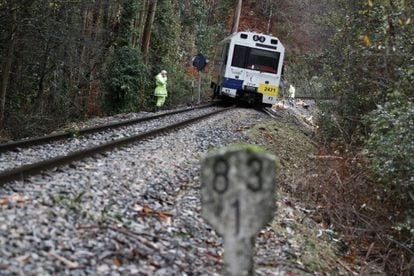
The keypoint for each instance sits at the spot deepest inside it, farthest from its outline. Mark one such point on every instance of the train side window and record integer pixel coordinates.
(225, 54)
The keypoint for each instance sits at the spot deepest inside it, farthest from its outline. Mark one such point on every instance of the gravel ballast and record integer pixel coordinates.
(135, 210)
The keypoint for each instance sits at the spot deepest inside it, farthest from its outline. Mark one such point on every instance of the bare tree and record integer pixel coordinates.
(147, 29)
(5, 69)
(237, 12)
(269, 21)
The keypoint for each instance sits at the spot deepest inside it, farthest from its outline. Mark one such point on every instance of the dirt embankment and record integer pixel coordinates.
(315, 245)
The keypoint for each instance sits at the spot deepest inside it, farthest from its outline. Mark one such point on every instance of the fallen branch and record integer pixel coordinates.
(68, 263)
(344, 266)
(401, 245)
(327, 157)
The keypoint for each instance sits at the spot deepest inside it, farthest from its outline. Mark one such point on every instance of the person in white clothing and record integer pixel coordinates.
(291, 97)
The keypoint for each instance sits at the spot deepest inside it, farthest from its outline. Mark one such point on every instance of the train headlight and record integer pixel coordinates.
(259, 38)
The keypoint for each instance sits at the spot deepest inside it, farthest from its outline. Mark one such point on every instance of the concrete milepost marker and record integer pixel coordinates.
(238, 199)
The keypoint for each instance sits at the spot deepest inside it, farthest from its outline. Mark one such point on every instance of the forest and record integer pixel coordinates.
(64, 61)
(68, 60)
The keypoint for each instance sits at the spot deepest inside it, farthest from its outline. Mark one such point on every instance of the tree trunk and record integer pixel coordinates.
(237, 13)
(43, 72)
(211, 12)
(6, 68)
(147, 29)
(142, 22)
(269, 22)
(139, 25)
(96, 17)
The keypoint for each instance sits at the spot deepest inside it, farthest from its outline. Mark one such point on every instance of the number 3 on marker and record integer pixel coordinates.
(255, 166)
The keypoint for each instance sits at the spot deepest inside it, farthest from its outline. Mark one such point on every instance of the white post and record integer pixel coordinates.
(199, 87)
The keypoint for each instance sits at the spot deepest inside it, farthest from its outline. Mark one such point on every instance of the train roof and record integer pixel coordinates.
(251, 37)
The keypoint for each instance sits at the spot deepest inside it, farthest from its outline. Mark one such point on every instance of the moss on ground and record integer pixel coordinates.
(310, 252)
(291, 146)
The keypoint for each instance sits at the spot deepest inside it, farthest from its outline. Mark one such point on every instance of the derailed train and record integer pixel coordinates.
(250, 68)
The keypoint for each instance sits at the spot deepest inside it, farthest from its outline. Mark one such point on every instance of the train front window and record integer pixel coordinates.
(261, 60)
(255, 59)
(239, 56)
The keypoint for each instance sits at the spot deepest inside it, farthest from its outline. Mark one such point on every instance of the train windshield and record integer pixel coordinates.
(255, 59)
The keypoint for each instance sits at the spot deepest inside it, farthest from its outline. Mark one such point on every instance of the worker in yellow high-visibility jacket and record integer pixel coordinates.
(161, 90)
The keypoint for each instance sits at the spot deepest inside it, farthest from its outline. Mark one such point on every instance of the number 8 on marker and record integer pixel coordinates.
(221, 182)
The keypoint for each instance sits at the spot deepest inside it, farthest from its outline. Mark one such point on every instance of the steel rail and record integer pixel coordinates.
(23, 172)
(64, 135)
(315, 98)
(270, 112)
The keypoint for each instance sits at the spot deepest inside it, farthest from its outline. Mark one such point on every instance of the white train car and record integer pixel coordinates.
(250, 68)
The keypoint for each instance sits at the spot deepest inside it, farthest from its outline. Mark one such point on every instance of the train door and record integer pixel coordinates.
(220, 61)
(224, 58)
(223, 66)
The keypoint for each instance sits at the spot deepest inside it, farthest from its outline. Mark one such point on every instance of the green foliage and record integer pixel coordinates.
(164, 43)
(248, 147)
(371, 76)
(130, 8)
(406, 227)
(166, 53)
(208, 32)
(73, 203)
(179, 88)
(39, 95)
(206, 23)
(366, 59)
(305, 75)
(391, 143)
(126, 75)
(65, 53)
(390, 147)
(391, 150)
(181, 30)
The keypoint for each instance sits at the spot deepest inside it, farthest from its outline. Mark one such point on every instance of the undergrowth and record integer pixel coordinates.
(363, 215)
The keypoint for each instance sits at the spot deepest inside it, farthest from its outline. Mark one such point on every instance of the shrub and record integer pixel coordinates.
(390, 147)
(127, 74)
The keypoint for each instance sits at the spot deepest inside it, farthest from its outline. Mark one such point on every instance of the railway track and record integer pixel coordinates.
(270, 112)
(90, 130)
(152, 128)
(87, 213)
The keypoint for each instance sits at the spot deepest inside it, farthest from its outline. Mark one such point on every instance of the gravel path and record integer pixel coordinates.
(135, 210)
